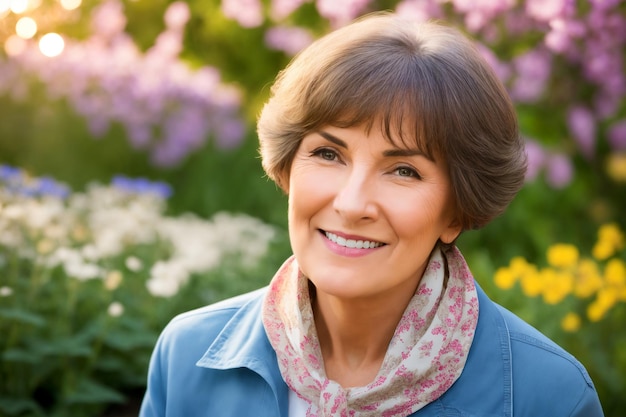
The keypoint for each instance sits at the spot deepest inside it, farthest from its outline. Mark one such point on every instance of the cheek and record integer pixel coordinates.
(419, 216)
(307, 192)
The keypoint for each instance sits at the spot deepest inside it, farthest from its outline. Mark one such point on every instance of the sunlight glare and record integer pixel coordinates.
(14, 45)
(4, 6)
(70, 4)
(26, 28)
(19, 6)
(51, 44)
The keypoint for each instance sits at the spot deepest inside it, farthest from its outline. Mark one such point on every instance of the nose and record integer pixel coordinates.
(355, 199)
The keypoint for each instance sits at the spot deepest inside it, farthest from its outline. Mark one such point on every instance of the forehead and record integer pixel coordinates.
(398, 127)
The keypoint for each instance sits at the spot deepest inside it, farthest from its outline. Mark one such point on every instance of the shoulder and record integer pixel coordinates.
(199, 327)
(544, 375)
(529, 343)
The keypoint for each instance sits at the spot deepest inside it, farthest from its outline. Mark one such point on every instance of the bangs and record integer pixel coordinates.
(395, 93)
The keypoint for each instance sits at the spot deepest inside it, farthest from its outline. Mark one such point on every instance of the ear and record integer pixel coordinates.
(450, 233)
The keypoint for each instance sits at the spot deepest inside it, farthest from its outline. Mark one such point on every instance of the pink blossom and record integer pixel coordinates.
(248, 13)
(419, 10)
(544, 10)
(480, 12)
(280, 9)
(341, 12)
(582, 126)
(290, 40)
(108, 19)
(536, 159)
(177, 15)
(502, 69)
(558, 40)
(533, 70)
(559, 171)
(617, 135)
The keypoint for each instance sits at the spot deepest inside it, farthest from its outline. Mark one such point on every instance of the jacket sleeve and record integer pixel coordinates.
(589, 405)
(154, 401)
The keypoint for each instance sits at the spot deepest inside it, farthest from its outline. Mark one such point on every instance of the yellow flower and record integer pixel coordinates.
(519, 266)
(595, 311)
(616, 166)
(607, 297)
(615, 273)
(504, 278)
(603, 250)
(557, 285)
(610, 240)
(588, 279)
(113, 280)
(571, 322)
(562, 255)
(532, 283)
(45, 246)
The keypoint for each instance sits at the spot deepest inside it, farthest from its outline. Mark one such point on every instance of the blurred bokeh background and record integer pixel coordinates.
(131, 189)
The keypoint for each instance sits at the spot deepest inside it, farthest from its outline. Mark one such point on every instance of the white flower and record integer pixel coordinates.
(82, 271)
(115, 309)
(5, 291)
(166, 278)
(134, 264)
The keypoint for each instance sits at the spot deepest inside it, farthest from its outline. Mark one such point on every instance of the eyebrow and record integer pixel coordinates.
(388, 153)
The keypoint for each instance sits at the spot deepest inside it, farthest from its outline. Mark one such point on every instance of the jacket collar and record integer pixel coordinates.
(243, 343)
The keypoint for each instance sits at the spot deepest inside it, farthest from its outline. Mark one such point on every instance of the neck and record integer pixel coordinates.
(354, 336)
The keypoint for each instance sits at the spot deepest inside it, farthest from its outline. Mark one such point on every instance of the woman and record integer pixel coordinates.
(390, 139)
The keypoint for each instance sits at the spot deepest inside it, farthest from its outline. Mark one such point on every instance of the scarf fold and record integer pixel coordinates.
(425, 357)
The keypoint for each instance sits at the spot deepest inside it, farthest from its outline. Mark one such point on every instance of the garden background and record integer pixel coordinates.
(131, 189)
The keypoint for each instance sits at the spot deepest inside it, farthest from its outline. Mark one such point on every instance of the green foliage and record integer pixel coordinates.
(62, 353)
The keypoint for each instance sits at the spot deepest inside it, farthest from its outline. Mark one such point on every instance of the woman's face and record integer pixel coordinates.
(364, 214)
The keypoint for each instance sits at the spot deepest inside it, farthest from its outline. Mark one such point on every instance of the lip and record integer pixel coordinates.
(348, 236)
(348, 252)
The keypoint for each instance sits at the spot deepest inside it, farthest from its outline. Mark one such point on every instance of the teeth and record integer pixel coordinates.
(351, 243)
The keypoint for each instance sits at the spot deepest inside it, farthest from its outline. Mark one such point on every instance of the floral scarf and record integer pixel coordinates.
(425, 356)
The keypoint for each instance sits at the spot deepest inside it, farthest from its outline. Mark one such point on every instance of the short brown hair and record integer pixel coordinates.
(385, 69)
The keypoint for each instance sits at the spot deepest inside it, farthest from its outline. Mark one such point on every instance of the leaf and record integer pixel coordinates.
(22, 316)
(92, 392)
(126, 341)
(66, 348)
(18, 406)
(21, 355)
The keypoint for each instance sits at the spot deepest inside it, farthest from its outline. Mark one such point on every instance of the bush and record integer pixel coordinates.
(89, 279)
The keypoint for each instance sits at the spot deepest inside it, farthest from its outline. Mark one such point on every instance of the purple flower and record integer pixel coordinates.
(418, 10)
(142, 186)
(290, 40)
(46, 186)
(559, 171)
(280, 9)
(536, 159)
(16, 181)
(617, 135)
(177, 15)
(248, 13)
(582, 126)
(340, 12)
(502, 69)
(108, 19)
(533, 70)
(544, 10)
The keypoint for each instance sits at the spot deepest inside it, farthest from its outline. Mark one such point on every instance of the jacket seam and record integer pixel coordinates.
(531, 341)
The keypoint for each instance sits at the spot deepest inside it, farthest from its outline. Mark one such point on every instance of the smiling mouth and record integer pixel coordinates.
(352, 243)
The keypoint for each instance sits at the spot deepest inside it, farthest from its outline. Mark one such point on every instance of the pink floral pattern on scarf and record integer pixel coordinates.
(425, 357)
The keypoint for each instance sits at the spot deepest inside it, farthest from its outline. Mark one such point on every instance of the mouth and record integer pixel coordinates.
(352, 243)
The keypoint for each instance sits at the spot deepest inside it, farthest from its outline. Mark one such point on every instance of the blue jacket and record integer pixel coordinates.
(217, 361)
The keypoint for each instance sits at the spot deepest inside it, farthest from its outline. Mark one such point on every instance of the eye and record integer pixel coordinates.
(325, 153)
(405, 171)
